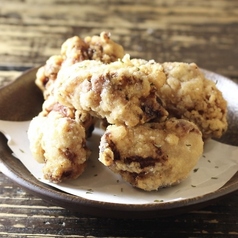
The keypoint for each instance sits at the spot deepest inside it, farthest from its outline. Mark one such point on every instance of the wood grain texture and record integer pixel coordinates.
(7, 77)
(205, 32)
(24, 215)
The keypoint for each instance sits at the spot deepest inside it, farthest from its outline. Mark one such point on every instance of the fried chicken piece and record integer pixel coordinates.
(57, 134)
(188, 94)
(152, 155)
(59, 142)
(47, 74)
(123, 92)
(73, 50)
(84, 119)
(87, 81)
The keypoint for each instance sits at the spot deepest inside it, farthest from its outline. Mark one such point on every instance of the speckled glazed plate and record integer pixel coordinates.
(22, 100)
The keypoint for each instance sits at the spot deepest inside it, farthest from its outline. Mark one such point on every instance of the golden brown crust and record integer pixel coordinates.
(123, 92)
(152, 155)
(74, 50)
(57, 134)
(84, 119)
(188, 94)
(145, 144)
(59, 142)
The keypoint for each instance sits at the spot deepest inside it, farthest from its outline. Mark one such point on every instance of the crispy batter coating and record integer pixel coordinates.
(152, 155)
(57, 134)
(59, 142)
(159, 114)
(73, 50)
(188, 94)
(84, 119)
(123, 92)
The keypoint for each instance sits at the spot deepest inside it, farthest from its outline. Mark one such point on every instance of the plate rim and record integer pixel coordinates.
(106, 209)
(100, 208)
